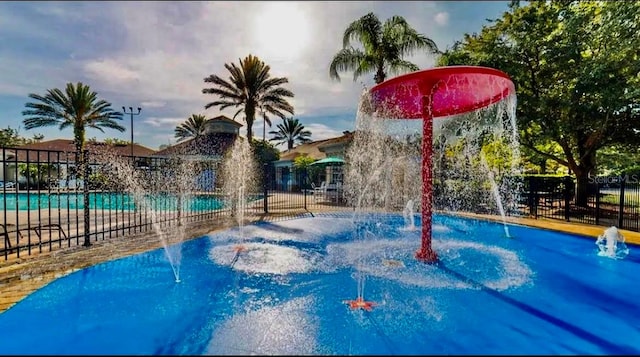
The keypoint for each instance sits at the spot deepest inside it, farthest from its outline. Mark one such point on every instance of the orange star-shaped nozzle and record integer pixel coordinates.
(360, 303)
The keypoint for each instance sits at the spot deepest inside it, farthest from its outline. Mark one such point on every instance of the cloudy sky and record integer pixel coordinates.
(156, 54)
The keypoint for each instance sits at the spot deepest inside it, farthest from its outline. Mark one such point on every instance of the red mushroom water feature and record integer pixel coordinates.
(433, 93)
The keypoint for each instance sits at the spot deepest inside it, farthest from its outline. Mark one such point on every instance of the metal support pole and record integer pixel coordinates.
(304, 186)
(264, 186)
(621, 207)
(567, 197)
(132, 114)
(85, 193)
(426, 254)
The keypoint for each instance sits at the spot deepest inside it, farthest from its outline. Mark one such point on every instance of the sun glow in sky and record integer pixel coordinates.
(282, 30)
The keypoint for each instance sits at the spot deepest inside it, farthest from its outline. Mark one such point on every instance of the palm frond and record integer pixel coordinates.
(251, 88)
(290, 131)
(193, 127)
(366, 30)
(345, 60)
(383, 44)
(75, 107)
(401, 66)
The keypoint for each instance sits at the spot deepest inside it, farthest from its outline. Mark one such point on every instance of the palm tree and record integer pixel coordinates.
(193, 127)
(384, 45)
(79, 108)
(252, 89)
(290, 132)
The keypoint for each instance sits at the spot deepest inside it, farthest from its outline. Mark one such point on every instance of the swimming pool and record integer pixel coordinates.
(540, 292)
(104, 200)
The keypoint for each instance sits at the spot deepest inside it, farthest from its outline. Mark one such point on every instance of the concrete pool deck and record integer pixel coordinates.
(20, 278)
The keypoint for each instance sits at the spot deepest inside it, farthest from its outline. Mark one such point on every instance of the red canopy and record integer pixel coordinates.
(453, 90)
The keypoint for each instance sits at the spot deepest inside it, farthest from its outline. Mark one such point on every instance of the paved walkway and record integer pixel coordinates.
(22, 277)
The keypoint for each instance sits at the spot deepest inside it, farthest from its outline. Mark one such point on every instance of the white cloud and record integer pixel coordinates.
(442, 18)
(110, 71)
(322, 131)
(163, 122)
(153, 104)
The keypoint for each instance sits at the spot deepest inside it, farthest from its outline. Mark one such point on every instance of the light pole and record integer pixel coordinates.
(132, 114)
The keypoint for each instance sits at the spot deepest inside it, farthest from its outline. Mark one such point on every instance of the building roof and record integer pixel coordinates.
(215, 144)
(64, 150)
(345, 139)
(226, 120)
(315, 148)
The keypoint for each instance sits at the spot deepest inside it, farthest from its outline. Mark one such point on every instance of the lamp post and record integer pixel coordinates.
(132, 114)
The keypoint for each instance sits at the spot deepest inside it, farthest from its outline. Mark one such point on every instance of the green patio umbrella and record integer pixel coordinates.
(329, 160)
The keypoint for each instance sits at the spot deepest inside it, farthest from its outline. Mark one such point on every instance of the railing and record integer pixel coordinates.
(608, 200)
(47, 204)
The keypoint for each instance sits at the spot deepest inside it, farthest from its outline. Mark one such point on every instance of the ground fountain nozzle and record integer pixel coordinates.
(360, 303)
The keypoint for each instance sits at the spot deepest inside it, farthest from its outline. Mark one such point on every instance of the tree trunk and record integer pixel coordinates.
(543, 166)
(380, 75)
(82, 165)
(582, 189)
(582, 172)
(250, 114)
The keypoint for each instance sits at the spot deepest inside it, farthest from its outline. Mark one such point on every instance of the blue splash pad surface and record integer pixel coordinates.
(540, 292)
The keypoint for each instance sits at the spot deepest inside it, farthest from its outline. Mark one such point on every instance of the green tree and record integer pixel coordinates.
(383, 48)
(575, 66)
(290, 132)
(37, 174)
(10, 137)
(303, 162)
(109, 141)
(264, 152)
(251, 89)
(193, 127)
(116, 141)
(618, 160)
(77, 107)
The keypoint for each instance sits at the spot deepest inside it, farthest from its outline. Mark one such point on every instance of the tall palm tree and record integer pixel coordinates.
(77, 107)
(290, 132)
(193, 127)
(384, 46)
(252, 89)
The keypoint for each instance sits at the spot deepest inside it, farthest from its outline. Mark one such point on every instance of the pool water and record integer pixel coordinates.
(539, 292)
(100, 200)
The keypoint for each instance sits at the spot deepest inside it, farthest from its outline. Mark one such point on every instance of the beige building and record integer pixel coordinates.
(288, 179)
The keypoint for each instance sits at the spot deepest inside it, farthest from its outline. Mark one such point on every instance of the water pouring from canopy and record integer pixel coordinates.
(434, 93)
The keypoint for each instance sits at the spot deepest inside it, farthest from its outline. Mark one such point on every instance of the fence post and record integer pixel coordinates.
(532, 189)
(87, 218)
(264, 187)
(179, 198)
(621, 207)
(304, 186)
(567, 197)
(597, 202)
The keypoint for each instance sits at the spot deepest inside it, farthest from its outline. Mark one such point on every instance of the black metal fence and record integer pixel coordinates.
(48, 204)
(608, 200)
(290, 190)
